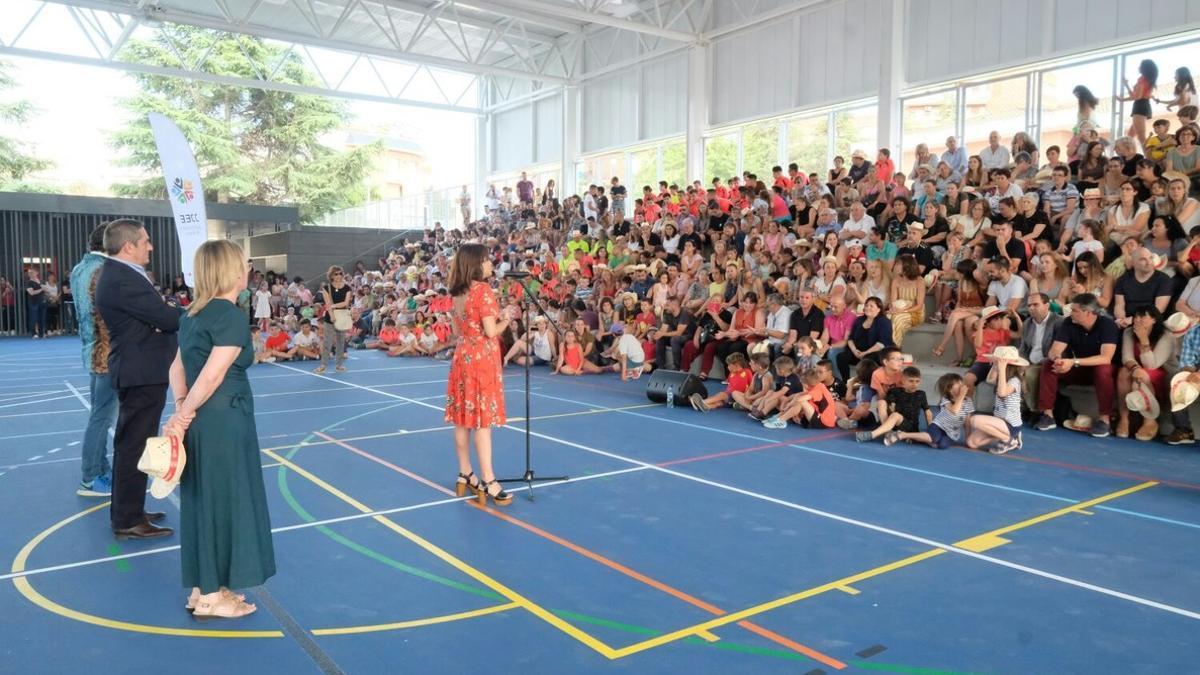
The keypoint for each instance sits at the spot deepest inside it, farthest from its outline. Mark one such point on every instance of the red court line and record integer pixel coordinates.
(754, 448)
(1105, 472)
(611, 564)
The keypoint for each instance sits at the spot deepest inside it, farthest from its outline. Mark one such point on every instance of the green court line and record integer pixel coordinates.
(285, 491)
(122, 564)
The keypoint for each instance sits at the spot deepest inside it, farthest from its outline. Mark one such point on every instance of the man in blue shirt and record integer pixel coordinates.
(955, 156)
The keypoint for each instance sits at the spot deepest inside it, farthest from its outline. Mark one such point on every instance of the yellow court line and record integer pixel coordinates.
(416, 623)
(987, 537)
(520, 600)
(707, 636)
(26, 589)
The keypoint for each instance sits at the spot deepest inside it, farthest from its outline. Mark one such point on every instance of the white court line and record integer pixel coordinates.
(45, 400)
(8, 398)
(315, 523)
(44, 412)
(356, 370)
(950, 548)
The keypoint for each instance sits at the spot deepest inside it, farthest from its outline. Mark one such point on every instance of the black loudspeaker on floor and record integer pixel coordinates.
(684, 384)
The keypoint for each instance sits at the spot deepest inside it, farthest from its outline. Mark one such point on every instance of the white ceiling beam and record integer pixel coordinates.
(244, 82)
(467, 19)
(204, 21)
(583, 16)
(489, 8)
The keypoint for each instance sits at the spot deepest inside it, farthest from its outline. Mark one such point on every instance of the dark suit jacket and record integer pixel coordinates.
(1053, 321)
(141, 327)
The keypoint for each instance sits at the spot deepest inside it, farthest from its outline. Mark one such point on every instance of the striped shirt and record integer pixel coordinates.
(950, 422)
(1008, 408)
(1058, 198)
(1189, 351)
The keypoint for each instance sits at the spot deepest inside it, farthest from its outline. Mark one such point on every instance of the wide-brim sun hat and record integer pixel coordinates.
(1178, 324)
(988, 312)
(1141, 399)
(1006, 353)
(1183, 392)
(163, 460)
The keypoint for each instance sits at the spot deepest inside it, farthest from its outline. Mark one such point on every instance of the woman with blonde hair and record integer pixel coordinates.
(475, 385)
(907, 308)
(225, 527)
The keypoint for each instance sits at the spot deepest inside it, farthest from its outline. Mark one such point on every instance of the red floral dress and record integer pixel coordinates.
(475, 390)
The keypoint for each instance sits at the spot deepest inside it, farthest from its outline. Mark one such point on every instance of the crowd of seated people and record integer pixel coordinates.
(799, 291)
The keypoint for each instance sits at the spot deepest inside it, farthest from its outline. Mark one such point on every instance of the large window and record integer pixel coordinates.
(600, 169)
(1168, 60)
(760, 148)
(720, 157)
(992, 106)
(1060, 108)
(674, 163)
(808, 143)
(928, 119)
(855, 129)
(645, 169)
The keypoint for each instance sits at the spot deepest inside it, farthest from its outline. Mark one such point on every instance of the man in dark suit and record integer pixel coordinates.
(141, 328)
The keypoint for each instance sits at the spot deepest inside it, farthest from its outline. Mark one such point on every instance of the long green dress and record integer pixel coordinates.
(225, 529)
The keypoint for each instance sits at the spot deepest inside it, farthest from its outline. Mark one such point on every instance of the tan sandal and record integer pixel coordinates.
(1122, 430)
(1148, 431)
(194, 598)
(226, 607)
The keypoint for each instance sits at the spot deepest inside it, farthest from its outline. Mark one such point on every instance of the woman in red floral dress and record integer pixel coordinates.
(475, 390)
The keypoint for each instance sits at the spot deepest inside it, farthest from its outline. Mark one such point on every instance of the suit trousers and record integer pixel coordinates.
(138, 414)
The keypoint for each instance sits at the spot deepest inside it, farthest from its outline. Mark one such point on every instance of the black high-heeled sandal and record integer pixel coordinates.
(462, 486)
(501, 498)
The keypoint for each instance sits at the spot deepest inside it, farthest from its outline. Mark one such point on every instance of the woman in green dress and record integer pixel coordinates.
(225, 529)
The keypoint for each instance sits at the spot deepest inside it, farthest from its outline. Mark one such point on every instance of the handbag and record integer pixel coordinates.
(342, 320)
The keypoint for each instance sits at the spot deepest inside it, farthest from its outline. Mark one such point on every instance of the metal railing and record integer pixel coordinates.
(413, 212)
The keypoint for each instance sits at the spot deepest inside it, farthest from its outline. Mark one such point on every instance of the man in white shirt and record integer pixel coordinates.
(956, 156)
(778, 318)
(1036, 337)
(589, 203)
(1006, 290)
(858, 224)
(994, 155)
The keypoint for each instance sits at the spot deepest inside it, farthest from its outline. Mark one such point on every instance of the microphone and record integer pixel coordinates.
(516, 274)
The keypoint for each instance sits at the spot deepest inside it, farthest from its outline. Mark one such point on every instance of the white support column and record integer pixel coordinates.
(571, 143)
(697, 110)
(483, 161)
(891, 78)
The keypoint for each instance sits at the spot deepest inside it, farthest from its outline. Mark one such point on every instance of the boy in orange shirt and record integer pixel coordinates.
(388, 336)
(738, 382)
(815, 407)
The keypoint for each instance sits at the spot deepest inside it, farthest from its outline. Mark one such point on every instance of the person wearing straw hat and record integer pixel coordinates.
(1147, 354)
(1082, 353)
(1189, 364)
(225, 525)
(1006, 375)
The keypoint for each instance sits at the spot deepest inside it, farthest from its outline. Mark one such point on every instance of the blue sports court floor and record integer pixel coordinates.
(681, 543)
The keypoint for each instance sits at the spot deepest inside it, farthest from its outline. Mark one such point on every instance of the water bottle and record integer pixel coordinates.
(670, 397)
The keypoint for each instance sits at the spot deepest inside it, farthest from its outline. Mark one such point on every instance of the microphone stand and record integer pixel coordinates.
(529, 301)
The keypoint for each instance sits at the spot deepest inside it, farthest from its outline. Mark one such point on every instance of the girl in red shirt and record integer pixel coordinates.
(570, 357)
(993, 330)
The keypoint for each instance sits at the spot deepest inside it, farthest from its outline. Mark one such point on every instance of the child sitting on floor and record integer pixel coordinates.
(1000, 432)
(806, 356)
(406, 343)
(275, 347)
(570, 357)
(815, 407)
(900, 409)
(761, 382)
(737, 382)
(787, 384)
(308, 343)
(860, 397)
(948, 425)
(260, 345)
(389, 336)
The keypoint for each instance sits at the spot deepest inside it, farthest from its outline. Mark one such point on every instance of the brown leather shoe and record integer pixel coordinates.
(143, 530)
(154, 516)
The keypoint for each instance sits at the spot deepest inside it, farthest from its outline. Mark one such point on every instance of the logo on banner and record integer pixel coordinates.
(182, 191)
